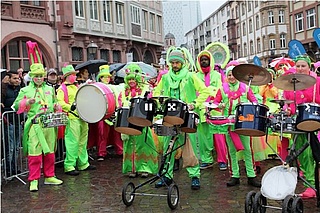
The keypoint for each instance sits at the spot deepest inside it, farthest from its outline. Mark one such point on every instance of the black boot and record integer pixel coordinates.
(233, 181)
(176, 166)
(254, 182)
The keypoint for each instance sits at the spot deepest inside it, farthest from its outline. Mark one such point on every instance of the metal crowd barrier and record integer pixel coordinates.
(13, 163)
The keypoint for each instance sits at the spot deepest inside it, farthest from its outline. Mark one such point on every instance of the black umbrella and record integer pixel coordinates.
(92, 65)
(116, 67)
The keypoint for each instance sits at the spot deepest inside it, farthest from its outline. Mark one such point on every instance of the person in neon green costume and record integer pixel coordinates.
(232, 93)
(181, 84)
(139, 156)
(212, 80)
(38, 143)
(76, 134)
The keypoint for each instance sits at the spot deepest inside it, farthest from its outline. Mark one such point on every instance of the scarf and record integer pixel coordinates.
(175, 78)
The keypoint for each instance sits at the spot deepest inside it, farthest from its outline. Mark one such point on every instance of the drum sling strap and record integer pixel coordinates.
(66, 97)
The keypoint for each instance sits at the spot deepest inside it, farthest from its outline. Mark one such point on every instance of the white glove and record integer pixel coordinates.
(124, 137)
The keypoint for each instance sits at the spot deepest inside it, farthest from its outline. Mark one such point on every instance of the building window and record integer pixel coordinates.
(119, 12)
(107, 11)
(243, 8)
(244, 30)
(36, 3)
(116, 56)
(257, 22)
(79, 8)
(245, 51)
(214, 32)
(218, 32)
(251, 48)
(223, 25)
(272, 44)
(250, 26)
(159, 24)
(283, 41)
(145, 20)
(281, 16)
(239, 51)
(258, 45)
(270, 17)
(135, 14)
(93, 10)
(299, 22)
(104, 54)
(238, 31)
(222, 12)
(311, 18)
(214, 19)
(152, 22)
(249, 6)
(14, 55)
(228, 11)
(224, 39)
(256, 3)
(237, 12)
(77, 54)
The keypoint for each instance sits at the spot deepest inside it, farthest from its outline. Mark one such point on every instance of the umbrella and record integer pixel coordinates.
(148, 70)
(116, 67)
(92, 65)
(281, 60)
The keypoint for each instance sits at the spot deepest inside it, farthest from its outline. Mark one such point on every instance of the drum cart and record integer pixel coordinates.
(257, 202)
(129, 190)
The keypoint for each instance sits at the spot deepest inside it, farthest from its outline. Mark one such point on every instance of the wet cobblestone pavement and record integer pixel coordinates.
(100, 191)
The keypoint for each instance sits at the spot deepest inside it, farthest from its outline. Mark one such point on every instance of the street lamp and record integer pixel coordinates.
(317, 55)
(283, 55)
(92, 50)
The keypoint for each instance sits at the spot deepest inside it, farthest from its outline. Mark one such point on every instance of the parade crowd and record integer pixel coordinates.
(198, 83)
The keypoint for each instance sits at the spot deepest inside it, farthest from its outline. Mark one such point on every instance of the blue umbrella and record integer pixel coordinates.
(116, 67)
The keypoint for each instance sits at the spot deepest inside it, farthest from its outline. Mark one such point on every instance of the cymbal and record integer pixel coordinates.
(283, 101)
(258, 75)
(210, 105)
(294, 81)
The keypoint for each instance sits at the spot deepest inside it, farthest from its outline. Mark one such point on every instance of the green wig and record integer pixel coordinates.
(133, 71)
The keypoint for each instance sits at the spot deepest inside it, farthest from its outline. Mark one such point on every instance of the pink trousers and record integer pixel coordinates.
(35, 162)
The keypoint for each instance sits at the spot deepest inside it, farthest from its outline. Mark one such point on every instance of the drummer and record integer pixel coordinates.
(181, 84)
(308, 95)
(76, 133)
(38, 143)
(139, 156)
(232, 93)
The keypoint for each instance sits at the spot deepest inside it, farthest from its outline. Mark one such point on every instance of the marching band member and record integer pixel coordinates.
(102, 133)
(232, 93)
(182, 84)
(76, 133)
(38, 143)
(308, 95)
(139, 156)
(212, 80)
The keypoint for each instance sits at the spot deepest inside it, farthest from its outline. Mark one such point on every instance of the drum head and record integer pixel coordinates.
(128, 130)
(250, 132)
(91, 103)
(278, 182)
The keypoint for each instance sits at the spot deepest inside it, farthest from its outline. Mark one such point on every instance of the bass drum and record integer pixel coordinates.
(123, 126)
(95, 102)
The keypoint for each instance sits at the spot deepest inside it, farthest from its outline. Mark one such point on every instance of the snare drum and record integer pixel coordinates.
(190, 123)
(288, 124)
(174, 111)
(123, 126)
(95, 102)
(308, 118)
(54, 119)
(251, 119)
(163, 130)
(142, 111)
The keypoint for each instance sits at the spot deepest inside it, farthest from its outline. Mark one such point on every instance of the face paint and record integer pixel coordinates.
(72, 78)
(38, 79)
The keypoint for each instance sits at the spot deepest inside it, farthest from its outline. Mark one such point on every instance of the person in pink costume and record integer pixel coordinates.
(232, 93)
(308, 95)
(102, 133)
(38, 142)
(212, 80)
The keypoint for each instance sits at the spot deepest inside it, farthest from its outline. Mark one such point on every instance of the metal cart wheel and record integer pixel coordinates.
(128, 193)
(297, 205)
(249, 202)
(259, 203)
(287, 204)
(173, 196)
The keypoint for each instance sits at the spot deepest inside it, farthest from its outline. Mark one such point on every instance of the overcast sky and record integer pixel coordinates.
(208, 7)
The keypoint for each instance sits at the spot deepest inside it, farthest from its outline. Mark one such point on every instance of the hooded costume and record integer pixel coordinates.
(212, 80)
(138, 155)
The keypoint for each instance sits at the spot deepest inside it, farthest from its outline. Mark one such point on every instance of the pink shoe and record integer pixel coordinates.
(309, 193)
